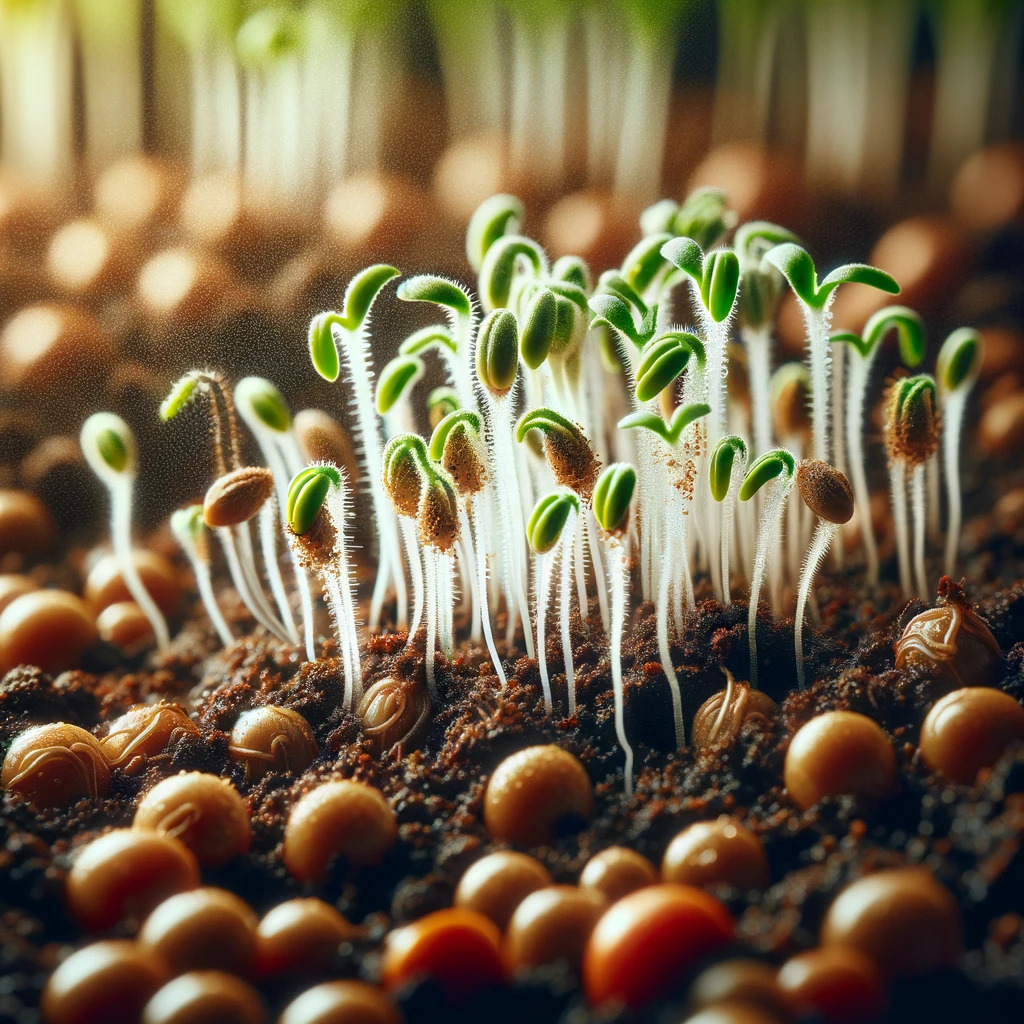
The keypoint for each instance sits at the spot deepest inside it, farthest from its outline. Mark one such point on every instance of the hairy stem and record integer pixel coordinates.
(823, 536)
(898, 495)
(618, 578)
(952, 425)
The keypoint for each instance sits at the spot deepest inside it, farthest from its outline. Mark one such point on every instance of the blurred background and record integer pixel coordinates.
(186, 182)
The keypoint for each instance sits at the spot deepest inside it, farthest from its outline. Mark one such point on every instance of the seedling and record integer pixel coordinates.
(957, 370)
(396, 380)
(109, 447)
(190, 532)
(441, 402)
(728, 465)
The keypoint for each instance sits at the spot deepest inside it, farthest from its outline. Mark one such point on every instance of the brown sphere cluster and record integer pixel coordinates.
(54, 765)
(496, 884)
(616, 872)
(552, 925)
(273, 738)
(144, 734)
(300, 936)
(720, 852)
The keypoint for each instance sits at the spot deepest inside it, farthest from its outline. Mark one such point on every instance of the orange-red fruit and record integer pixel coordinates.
(51, 629)
(616, 872)
(338, 819)
(205, 997)
(552, 925)
(535, 793)
(105, 983)
(300, 936)
(837, 984)
(968, 730)
(341, 1002)
(124, 874)
(202, 810)
(647, 941)
(904, 919)
(839, 752)
(55, 764)
(145, 732)
(459, 949)
(496, 884)
(202, 929)
(721, 852)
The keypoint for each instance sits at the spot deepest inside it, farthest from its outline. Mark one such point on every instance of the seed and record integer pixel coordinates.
(439, 515)
(13, 585)
(825, 490)
(496, 884)
(953, 644)
(968, 730)
(403, 481)
(273, 738)
(721, 852)
(176, 288)
(731, 1012)
(54, 765)
(536, 794)
(87, 259)
(839, 752)
(553, 925)
(301, 937)
(719, 719)
(105, 586)
(752, 982)
(51, 629)
(616, 872)
(343, 819)
(837, 984)
(203, 811)
(204, 928)
(124, 874)
(321, 439)
(205, 997)
(790, 401)
(395, 715)
(125, 626)
(144, 734)
(903, 919)
(572, 461)
(463, 460)
(341, 1002)
(107, 982)
(1001, 429)
(644, 943)
(458, 949)
(26, 525)
(237, 496)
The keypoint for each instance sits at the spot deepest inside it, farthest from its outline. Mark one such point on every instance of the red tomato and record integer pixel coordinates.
(645, 941)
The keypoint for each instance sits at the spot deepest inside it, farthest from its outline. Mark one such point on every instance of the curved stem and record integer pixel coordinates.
(412, 553)
(618, 578)
(823, 535)
(201, 571)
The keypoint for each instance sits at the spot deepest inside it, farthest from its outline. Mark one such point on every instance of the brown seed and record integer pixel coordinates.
(825, 490)
(535, 794)
(301, 937)
(105, 586)
(572, 461)
(51, 629)
(338, 819)
(205, 812)
(497, 883)
(273, 738)
(26, 525)
(395, 715)
(1001, 429)
(953, 644)
(403, 481)
(618, 871)
(906, 921)
(752, 982)
(237, 496)
(968, 730)
(439, 516)
(180, 289)
(721, 852)
(104, 983)
(45, 344)
(205, 997)
(552, 925)
(124, 874)
(838, 984)
(321, 439)
(203, 928)
(341, 1002)
(790, 401)
(463, 459)
(87, 259)
(144, 734)
(54, 765)
(125, 625)
(719, 719)
(912, 433)
(13, 585)
(839, 752)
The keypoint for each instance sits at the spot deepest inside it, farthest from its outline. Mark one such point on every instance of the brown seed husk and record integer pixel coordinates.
(572, 461)
(237, 496)
(439, 517)
(825, 490)
(404, 484)
(914, 435)
(461, 459)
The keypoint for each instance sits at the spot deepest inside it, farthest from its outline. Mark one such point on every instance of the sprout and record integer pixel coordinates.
(662, 360)
(703, 216)
(440, 403)
(797, 267)
(550, 533)
(396, 380)
(493, 219)
(775, 469)
(612, 495)
(109, 447)
(827, 493)
(350, 326)
(318, 512)
(190, 531)
(957, 370)
(910, 333)
(728, 464)
(502, 270)
(672, 431)
(912, 437)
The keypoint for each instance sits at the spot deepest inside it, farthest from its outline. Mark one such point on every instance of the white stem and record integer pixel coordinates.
(430, 573)
(898, 495)
(823, 535)
(412, 552)
(665, 652)
(336, 603)
(759, 353)
(481, 567)
(563, 622)
(201, 571)
(445, 602)
(618, 578)
(857, 383)
(542, 575)
(337, 505)
(247, 562)
(952, 424)
(767, 538)
(590, 528)
(819, 355)
(838, 354)
(268, 521)
(226, 536)
(917, 493)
